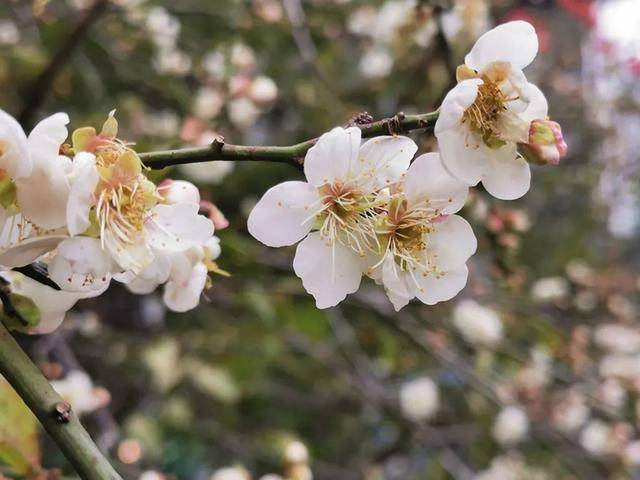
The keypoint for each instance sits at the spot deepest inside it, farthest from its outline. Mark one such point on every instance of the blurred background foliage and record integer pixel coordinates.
(532, 372)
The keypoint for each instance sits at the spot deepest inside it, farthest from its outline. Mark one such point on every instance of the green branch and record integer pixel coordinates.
(294, 154)
(54, 414)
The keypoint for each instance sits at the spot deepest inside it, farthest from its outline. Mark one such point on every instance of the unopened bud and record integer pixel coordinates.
(546, 143)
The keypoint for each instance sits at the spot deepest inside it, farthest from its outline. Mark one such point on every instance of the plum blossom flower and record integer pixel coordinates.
(421, 247)
(183, 273)
(113, 201)
(484, 118)
(479, 325)
(329, 211)
(511, 425)
(32, 176)
(419, 399)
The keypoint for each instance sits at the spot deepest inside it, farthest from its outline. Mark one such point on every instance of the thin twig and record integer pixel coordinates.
(293, 154)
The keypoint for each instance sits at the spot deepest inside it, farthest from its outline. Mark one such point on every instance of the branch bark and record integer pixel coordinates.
(293, 154)
(52, 412)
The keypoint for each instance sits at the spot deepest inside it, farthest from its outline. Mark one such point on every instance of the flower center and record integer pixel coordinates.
(483, 114)
(405, 233)
(342, 215)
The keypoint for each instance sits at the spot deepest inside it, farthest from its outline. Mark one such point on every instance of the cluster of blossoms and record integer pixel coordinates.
(88, 212)
(231, 78)
(231, 86)
(295, 460)
(367, 209)
(396, 28)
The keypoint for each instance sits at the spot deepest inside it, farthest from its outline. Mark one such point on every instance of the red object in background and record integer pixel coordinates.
(634, 66)
(544, 35)
(583, 9)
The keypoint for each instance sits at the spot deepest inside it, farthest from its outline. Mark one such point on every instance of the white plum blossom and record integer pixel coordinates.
(596, 439)
(376, 63)
(242, 112)
(80, 265)
(617, 338)
(550, 289)
(129, 215)
(263, 90)
(183, 273)
(231, 473)
(571, 412)
(33, 175)
(421, 247)
(296, 452)
(620, 366)
(419, 399)
(478, 325)
(77, 389)
(331, 212)
(511, 425)
(208, 103)
(484, 118)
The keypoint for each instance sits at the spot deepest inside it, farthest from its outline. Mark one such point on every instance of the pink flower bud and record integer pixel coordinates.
(220, 222)
(546, 143)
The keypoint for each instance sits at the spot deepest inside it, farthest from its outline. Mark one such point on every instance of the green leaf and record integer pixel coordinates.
(19, 447)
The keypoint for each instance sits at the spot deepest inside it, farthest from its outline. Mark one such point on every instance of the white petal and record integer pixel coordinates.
(284, 214)
(181, 191)
(538, 108)
(517, 87)
(14, 153)
(514, 42)
(26, 251)
(183, 294)
(398, 301)
(396, 284)
(52, 304)
(455, 103)
(81, 196)
(42, 196)
(464, 155)
(333, 157)
(134, 256)
(177, 227)
(158, 270)
(140, 286)
(428, 179)
(47, 136)
(452, 243)
(509, 176)
(383, 160)
(81, 265)
(444, 287)
(329, 273)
